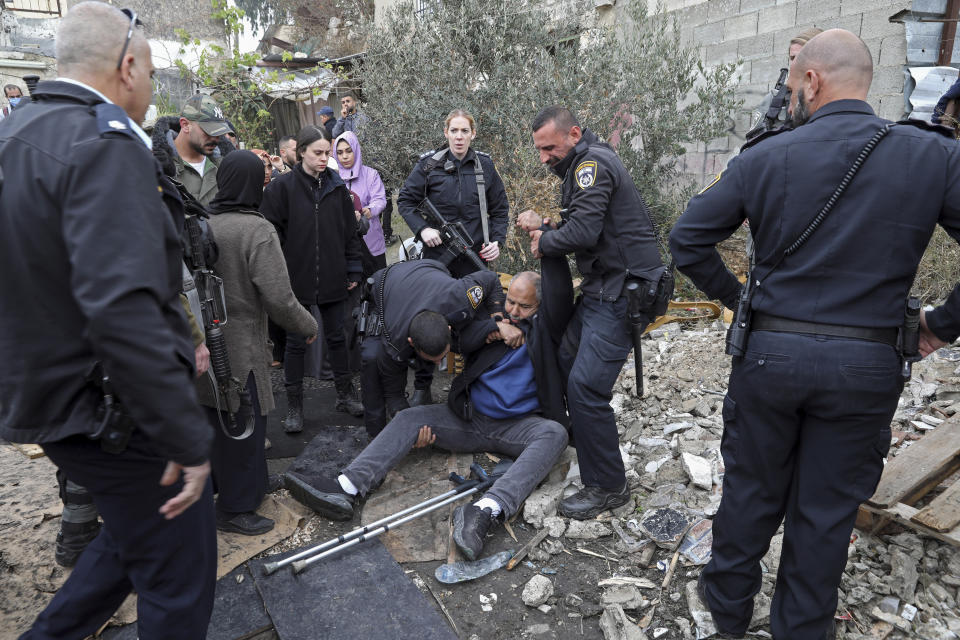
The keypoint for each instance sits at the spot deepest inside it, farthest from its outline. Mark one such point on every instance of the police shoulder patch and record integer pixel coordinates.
(475, 296)
(586, 174)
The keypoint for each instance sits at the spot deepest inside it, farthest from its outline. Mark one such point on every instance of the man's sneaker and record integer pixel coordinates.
(72, 539)
(246, 524)
(323, 495)
(470, 526)
(591, 501)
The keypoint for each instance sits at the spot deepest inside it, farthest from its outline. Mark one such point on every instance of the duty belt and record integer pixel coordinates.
(764, 322)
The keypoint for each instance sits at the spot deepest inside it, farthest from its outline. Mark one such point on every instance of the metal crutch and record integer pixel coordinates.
(466, 487)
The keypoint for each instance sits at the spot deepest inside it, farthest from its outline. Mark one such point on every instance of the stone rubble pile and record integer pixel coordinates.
(897, 585)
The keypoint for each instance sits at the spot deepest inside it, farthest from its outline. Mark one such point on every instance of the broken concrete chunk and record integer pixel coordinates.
(903, 575)
(625, 596)
(542, 503)
(633, 581)
(615, 625)
(587, 530)
(537, 591)
(676, 427)
(555, 526)
(699, 612)
(698, 469)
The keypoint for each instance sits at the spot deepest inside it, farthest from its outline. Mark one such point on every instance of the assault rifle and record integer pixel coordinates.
(214, 317)
(454, 235)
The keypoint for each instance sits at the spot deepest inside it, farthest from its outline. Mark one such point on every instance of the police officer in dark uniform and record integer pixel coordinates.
(808, 408)
(472, 305)
(465, 187)
(607, 225)
(451, 178)
(98, 352)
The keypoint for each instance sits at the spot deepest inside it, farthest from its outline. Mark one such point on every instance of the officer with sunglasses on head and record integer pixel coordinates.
(102, 375)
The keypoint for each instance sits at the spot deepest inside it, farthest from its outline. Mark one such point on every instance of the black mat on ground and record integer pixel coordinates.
(360, 593)
(318, 416)
(238, 611)
(330, 451)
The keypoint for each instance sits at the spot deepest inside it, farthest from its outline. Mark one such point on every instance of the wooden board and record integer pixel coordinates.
(32, 451)
(903, 514)
(920, 468)
(943, 513)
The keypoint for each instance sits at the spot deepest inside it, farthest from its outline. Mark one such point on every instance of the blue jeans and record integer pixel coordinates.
(806, 428)
(534, 441)
(594, 351)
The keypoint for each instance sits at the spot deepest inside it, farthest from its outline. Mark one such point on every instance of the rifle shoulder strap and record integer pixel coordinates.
(381, 312)
(482, 196)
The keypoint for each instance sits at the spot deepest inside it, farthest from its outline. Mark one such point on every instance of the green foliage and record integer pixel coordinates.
(228, 78)
(503, 62)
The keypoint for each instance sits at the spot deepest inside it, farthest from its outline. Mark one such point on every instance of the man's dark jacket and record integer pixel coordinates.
(318, 231)
(454, 193)
(92, 272)
(421, 285)
(607, 224)
(544, 331)
(857, 268)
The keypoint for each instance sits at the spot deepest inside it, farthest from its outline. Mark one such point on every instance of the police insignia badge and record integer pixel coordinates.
(475, 296)
(586, 174)
(116, 124)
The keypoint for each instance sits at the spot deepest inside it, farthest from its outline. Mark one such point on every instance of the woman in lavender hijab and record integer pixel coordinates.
(366, 183)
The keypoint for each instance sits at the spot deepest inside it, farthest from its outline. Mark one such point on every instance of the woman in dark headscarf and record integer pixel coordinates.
(256, 285)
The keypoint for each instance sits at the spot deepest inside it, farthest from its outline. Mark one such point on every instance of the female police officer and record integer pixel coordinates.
(464, 187)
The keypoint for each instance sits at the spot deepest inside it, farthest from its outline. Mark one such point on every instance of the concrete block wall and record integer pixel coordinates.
(757, 34)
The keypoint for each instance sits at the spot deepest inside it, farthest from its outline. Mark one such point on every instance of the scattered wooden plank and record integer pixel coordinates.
(32, 451)
(903, 513)
(943, 512)
(916, 471)
(525, 549)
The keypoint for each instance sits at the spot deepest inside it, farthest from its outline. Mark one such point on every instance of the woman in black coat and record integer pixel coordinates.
(313, 214)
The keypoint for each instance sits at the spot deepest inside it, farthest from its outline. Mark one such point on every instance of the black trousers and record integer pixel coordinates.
(594, 350)
(332, 316)
(239, 466)
(806, 428)
(171, 564)
(383, 380)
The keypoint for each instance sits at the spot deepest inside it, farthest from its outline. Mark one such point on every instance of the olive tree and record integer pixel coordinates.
(635, 84)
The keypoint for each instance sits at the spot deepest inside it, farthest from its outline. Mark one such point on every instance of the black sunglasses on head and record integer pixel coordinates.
(134, 22)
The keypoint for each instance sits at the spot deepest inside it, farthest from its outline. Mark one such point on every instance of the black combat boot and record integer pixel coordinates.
(293, 423)
(470, 526)
(591, 501)
(347, 397)
(421, 396)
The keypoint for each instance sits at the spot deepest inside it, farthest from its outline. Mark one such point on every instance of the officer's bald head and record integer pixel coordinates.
(90, 39)
(835, 65)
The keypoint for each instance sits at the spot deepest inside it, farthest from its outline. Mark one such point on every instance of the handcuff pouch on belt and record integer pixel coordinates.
(114, 424)
(739, 331)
